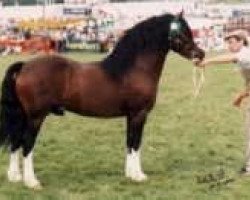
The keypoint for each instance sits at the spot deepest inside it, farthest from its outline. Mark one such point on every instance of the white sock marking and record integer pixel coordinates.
(14, 174)
(30, 179)
(133, 166)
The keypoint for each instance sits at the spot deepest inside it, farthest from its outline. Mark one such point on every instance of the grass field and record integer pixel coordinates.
(193, 148)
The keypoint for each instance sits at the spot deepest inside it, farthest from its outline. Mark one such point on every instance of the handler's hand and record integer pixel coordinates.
(238, 100)
(200, 63)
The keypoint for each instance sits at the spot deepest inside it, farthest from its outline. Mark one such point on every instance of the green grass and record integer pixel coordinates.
(186, 141)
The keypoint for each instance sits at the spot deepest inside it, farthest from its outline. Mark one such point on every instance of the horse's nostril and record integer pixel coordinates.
(198, 54)
(202, 55)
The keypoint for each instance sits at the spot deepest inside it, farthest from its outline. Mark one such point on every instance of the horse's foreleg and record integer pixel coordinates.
(29, 177)
(135, 124)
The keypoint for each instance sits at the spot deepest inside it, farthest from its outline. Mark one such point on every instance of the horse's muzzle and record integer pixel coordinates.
(198, 54)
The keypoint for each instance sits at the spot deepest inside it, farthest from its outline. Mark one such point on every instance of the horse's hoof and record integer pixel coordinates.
(38, 187)
(35, 185)
(138, 177)
(14, 177)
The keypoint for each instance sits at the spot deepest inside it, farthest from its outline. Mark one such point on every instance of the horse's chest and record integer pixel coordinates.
(140, 96)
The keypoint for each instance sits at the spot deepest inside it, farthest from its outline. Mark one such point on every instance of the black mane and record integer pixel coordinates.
(150, 36)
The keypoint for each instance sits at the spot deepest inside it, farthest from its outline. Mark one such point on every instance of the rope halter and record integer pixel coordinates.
(198, 80)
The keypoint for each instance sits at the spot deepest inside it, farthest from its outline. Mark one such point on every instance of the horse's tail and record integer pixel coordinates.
(12, 115)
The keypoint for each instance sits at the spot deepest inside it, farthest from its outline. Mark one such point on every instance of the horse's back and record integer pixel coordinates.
(42, 81)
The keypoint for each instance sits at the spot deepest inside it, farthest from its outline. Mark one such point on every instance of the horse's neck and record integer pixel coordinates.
(151, 63)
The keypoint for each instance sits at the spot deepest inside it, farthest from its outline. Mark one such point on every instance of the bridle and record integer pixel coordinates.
(175, 31)
(198, 75)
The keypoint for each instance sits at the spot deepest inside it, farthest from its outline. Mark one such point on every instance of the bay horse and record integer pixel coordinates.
(123, 84)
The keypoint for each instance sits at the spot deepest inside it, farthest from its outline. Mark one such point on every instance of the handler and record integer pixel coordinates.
(239, 53)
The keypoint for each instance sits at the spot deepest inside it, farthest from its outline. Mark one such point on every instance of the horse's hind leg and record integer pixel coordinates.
(14, 173)
(29, 139)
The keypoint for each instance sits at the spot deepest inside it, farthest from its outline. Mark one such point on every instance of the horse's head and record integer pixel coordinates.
(181, 39)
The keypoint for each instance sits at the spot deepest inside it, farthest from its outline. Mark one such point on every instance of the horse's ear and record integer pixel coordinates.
(180, 15)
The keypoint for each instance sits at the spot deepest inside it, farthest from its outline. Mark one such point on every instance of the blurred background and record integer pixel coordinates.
(30, 26)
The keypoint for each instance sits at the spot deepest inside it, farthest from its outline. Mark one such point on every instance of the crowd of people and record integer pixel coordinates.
(91, 32)
(95, 30)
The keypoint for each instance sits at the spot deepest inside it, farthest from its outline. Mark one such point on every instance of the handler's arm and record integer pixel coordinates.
(222, 59)
(243, 94)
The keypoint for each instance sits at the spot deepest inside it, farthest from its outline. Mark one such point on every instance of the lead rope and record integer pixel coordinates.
(198, 80)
